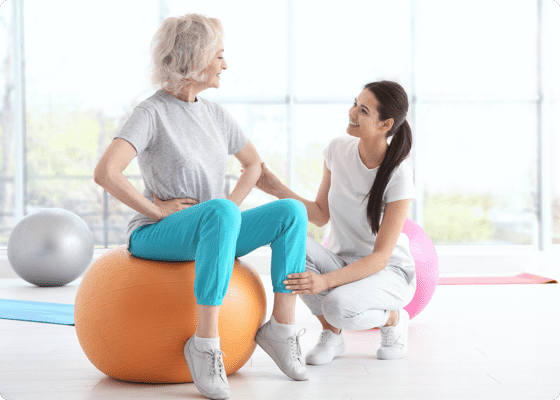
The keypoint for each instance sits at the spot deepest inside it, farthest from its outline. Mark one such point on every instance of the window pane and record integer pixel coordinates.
(96, 63)
(555, 168)
(551, 46)
(480, 173)
(254, 43)
(82, 82)
(341, 48)
(481, 47)
(265, 126)
(7, 164)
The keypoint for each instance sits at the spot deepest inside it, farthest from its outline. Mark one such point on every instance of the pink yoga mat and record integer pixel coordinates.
(495, 280)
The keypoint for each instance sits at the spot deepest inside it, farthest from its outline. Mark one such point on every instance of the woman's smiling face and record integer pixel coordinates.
(364, 118)
(215, 67)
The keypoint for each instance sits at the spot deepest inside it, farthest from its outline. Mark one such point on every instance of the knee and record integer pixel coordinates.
(226, 210)
(295, 209)
(331, 308)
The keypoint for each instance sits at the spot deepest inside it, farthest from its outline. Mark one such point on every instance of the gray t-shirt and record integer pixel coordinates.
(182, 149)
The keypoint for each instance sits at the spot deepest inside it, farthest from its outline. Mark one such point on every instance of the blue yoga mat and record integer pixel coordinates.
(52, 313)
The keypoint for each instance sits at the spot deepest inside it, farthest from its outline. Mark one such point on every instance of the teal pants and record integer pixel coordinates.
(215, 232)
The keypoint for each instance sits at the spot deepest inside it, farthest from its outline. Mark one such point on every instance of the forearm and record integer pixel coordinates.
(314, 214)
(245, 184)
(359, 269)
(120, 188)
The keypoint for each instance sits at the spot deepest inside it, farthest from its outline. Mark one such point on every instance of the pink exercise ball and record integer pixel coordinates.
(426, 265)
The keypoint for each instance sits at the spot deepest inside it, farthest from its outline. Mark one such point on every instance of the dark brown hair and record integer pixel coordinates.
(392, 103)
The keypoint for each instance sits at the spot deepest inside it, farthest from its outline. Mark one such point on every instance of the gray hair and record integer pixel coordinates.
(182, 48)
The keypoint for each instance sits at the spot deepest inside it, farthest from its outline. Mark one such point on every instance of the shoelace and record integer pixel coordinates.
(387, 338)
(295, 347)
(215, 360)
(324, 336)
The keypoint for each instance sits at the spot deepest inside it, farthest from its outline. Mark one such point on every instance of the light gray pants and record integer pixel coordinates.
(359, 305)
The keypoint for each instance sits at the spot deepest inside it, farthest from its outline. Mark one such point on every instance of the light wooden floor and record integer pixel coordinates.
(471, 342)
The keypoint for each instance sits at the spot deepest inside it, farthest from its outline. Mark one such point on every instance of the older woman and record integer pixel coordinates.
(182, 142)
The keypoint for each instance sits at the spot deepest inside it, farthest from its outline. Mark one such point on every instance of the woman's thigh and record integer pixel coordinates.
(264, 224)
(321, 260)
(385, 290)
(177, 237)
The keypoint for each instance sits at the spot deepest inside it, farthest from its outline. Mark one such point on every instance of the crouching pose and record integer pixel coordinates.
(366, 275)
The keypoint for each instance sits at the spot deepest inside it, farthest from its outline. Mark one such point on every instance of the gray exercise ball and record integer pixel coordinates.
(50, 247)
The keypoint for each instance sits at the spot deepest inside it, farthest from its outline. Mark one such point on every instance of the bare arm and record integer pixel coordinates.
(251, 163)
(108, 174)
(389, 231)
(317, 211)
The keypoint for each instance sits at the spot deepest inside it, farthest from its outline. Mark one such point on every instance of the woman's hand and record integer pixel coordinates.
(268, 182)
(169, 207)
(306, 283)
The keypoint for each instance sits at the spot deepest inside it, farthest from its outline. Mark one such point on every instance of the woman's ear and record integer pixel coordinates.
(388, 124)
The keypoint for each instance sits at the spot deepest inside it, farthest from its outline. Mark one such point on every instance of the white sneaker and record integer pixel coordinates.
(329, 346)
(207, 370)
(286, 352)
(394, 339)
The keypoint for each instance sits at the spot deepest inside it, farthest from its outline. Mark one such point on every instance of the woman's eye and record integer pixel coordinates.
(364, 111)
(355, 104)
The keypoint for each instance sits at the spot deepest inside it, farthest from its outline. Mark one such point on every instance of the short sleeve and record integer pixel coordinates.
(138, 129)
(400, 185)
(327, 154)
(235, 137)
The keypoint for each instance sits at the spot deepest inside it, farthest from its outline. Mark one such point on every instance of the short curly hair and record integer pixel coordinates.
(182, 48)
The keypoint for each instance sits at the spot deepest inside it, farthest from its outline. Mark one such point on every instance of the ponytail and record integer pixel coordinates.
(393, 103)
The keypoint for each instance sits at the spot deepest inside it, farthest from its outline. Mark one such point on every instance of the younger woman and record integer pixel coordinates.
(366, 275)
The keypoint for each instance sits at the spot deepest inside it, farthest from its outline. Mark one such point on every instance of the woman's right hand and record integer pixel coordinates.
(169, 207)
(268, 182)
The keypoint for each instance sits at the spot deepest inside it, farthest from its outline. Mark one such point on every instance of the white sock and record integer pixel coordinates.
(199, 342)
(282, 330)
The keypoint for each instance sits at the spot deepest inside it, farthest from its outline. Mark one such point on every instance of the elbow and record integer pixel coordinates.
(322, 222)
(99, 176)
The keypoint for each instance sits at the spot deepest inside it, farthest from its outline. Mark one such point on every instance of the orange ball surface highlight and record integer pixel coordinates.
(133, 316)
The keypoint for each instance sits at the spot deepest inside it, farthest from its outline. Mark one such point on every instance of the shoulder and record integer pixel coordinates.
(402, 171)
(212, 107)
(341, 141)
(150, 104)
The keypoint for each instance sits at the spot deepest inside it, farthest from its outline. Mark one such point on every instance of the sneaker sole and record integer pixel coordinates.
(270, 351)
(313, 359)
(190, 363)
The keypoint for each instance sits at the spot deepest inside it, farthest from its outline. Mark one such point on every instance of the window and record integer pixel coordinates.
(484, 103)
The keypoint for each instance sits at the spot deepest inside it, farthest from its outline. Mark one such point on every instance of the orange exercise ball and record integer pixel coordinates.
(134, 316)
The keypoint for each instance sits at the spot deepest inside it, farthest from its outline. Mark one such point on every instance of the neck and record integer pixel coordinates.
(189, 92)
(372, 151)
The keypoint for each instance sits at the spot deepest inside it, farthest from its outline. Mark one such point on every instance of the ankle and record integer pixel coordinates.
(332, 328)
(283, 319)
(207, 335)
(393, 319)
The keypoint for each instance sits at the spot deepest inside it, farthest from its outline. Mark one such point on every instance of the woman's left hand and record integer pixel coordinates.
(306, 283)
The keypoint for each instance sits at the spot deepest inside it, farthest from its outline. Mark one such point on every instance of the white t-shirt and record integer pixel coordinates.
(351, 181)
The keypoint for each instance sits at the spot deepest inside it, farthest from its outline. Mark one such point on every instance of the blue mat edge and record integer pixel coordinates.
(34, 311)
